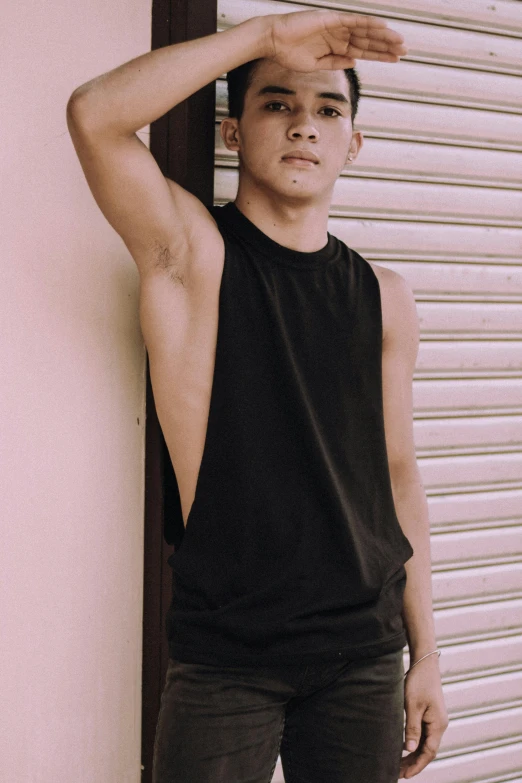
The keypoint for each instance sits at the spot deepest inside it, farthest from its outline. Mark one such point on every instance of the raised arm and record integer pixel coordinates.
(160, 222)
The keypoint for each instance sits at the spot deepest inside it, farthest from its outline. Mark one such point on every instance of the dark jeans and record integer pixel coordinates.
(331, 722)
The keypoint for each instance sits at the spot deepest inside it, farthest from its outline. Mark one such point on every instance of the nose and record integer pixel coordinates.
(302, 126)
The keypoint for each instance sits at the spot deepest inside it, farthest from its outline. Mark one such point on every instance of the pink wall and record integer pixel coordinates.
(72, 385)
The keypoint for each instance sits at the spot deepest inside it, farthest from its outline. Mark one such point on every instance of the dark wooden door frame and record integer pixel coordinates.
(182, 142)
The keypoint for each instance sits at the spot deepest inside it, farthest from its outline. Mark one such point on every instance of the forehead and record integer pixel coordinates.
(270, 72)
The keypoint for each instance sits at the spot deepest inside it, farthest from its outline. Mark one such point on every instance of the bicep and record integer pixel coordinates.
(156, 218)
(399, 355)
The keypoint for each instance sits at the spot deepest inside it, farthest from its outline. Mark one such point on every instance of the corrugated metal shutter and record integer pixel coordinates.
(436, 195)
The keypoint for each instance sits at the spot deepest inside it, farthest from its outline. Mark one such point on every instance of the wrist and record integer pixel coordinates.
(431, 656)
(263, 45)
(416, 651)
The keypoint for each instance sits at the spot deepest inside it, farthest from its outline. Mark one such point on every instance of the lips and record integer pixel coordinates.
(301, 155)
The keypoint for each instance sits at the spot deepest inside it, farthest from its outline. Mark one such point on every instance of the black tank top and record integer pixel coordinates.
(293, 551)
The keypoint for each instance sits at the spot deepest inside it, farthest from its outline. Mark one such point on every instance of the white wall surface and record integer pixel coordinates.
(72, 390)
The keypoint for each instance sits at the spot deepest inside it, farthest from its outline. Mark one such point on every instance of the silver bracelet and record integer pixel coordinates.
(437, 652)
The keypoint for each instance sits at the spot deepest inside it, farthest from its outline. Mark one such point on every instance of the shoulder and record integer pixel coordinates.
(388, 278)
(399, 311)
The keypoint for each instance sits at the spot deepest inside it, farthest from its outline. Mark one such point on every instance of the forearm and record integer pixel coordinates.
(142, 90)
(412, 510)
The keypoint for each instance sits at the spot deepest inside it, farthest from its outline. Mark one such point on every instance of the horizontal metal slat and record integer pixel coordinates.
(478, 432)
(485, 583)
(468, 395)
(369, 236)
(432, 279)
(395, 159)
(440, 84)
(502, 263)
(473, 356)
(422, 122)
(472, 659)
(476, 509)
(477, 546)
(460, 318)
(478, 470)
(466, 734)
(414, 121)
(485, 620)
(483, 693)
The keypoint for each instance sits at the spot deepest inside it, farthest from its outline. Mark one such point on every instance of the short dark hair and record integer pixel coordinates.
(239, 80)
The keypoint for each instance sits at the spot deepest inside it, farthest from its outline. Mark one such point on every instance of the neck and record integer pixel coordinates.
(300, 226)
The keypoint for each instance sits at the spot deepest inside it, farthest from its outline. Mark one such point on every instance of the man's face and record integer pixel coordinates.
(275, 123)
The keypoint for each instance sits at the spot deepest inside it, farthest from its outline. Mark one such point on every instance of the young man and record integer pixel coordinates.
(305, 565)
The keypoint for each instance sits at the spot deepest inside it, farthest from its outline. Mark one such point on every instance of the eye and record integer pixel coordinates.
(274, 103)
(330, 108)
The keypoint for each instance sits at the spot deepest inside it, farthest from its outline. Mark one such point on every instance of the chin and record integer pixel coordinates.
(299, 196)
(298, 187)
(298, 182)
(292, 186)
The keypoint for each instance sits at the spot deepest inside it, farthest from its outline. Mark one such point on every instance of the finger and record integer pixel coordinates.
(335, 62)
(382, 35)
(360, 54)
(368, 43)
(362, 31)
(413, 729)
(364, 44)
(416, 762)
(406, 763)
(369, 26)
(385, 57)
(361, 20)
(379, 32)
(377, 46)
(425, 753)
(380, 57)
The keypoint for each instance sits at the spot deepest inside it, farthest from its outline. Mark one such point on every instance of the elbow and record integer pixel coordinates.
(72, 111)
(78, 113)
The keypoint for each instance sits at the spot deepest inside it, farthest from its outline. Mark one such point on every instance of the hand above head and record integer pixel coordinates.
(330, 40)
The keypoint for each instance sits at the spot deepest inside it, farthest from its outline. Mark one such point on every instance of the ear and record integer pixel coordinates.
(355, 146)
(229, 130)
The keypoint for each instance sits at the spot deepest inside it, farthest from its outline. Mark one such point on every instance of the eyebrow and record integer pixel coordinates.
(274, 88)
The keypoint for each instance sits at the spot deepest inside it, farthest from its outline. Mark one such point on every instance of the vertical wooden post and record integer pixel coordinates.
(182, 142)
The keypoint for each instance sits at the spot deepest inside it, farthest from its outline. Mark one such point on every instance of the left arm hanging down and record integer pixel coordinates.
(426, 715)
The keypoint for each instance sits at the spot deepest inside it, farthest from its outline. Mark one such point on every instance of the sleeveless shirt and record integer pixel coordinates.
(292, 551)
